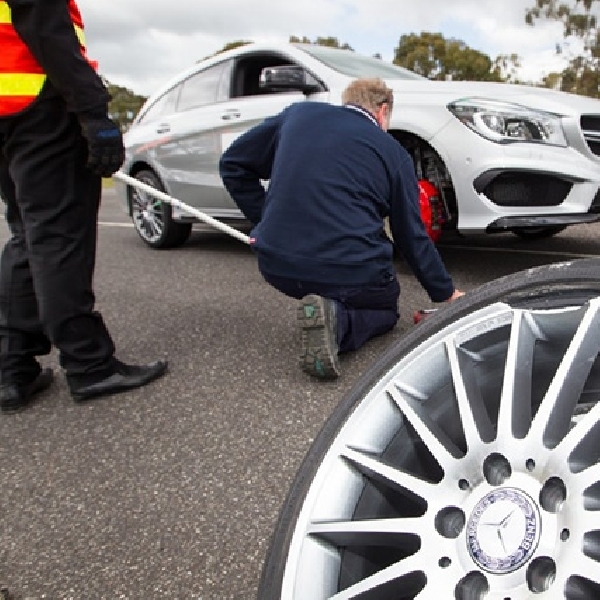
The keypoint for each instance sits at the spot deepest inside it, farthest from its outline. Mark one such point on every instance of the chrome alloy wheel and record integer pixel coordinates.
(469, 470)
(147, 213)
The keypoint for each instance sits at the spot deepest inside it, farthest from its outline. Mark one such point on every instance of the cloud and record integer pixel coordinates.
(141, 43)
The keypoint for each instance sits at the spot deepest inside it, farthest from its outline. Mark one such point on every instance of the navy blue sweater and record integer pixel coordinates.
(333, 177)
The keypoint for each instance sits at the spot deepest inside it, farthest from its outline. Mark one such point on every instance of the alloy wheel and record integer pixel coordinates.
(469, 469)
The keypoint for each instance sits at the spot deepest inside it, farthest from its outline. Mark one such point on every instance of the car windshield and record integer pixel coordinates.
(356, 65)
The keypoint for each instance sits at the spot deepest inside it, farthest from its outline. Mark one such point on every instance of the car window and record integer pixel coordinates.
(201, 88)
(356, 65)
(247, 73)
(162, 106)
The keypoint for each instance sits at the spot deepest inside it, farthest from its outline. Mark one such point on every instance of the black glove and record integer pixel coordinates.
(105, 144)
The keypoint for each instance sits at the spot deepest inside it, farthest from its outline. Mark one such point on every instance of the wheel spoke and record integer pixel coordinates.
(154, 226)
(553, 418)
(442, 448)
(515, 401)
(390, 476)
(373, 532)
(410, 569)
(585, 567)
(475, 420)
(584, 433)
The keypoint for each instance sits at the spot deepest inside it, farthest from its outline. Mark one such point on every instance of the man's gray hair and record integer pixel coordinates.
(369, 94)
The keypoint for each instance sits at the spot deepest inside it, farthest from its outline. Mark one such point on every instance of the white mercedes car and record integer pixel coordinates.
(500, 157)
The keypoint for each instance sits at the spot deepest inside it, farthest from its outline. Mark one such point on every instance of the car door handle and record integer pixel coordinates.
(163, 128)
(231, 114)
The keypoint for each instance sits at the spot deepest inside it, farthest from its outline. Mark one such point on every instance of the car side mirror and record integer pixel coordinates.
(287, 78)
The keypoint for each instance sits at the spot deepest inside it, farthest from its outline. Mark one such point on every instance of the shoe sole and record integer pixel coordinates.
(318, 354)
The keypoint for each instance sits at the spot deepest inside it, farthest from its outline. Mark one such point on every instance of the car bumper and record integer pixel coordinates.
(499, 187)
(521, 222)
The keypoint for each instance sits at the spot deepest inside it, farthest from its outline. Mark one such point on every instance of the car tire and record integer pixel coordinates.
(152, 219)
(388, 500)
(538, 233)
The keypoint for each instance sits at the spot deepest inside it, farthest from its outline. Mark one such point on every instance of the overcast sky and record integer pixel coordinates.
(141, 43)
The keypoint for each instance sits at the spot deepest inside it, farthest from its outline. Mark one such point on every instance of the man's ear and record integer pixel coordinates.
(382, 115)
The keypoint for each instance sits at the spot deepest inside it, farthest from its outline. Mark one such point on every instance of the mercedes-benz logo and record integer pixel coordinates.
(503, 530)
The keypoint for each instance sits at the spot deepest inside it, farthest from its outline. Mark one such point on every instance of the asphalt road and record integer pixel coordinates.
(172, 491)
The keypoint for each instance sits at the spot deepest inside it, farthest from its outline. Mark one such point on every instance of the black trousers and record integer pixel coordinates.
(47, 266)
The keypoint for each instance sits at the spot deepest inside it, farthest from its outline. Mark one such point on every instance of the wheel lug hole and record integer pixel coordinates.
(473, 586)
(496, 469)
(541, 574)
(450, 522)
(463, 484)
(444, 562)
(530, 465)
(565, 534)
(553, 495)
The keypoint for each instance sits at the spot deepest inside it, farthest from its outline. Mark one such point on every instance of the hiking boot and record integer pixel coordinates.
(317, 317)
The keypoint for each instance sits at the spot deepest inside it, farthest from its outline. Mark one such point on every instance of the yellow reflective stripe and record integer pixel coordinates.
(80, 35)
(21, 84)
(4, 12)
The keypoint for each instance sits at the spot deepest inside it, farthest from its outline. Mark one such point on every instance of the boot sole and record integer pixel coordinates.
(318, 354)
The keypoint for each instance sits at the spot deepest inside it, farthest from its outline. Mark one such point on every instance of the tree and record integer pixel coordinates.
(331, 42)
(508, 65)
(227, 46)
(581, 43)
(435, 57)
(124, 105)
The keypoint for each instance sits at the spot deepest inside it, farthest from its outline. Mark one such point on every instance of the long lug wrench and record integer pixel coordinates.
(140, 185)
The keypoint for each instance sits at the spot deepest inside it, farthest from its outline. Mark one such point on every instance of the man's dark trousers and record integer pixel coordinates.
(362, 311)
(47, 266)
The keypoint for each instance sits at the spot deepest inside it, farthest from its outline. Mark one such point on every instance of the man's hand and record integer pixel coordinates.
(456, 294)
(105, 144)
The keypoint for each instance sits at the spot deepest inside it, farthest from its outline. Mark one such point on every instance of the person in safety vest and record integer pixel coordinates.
(334, 175)
(56, 143)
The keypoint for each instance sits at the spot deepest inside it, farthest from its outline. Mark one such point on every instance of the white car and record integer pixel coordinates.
(501, 157)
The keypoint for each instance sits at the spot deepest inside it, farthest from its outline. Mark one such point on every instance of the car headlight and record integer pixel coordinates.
(504, 122)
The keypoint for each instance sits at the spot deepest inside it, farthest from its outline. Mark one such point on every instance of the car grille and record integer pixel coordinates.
(595, 206)
(590, 127)
(522, 188)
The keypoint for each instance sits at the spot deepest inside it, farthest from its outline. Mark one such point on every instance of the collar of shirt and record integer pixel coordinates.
(363, 111)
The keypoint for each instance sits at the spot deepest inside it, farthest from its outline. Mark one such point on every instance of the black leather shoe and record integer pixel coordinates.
(123, 377)
(14, 398)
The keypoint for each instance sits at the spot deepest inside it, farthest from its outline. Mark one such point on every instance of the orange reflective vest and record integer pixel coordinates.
(21, 76)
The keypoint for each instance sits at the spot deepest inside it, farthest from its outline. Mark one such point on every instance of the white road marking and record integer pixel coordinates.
(449, 247)
(114, 224)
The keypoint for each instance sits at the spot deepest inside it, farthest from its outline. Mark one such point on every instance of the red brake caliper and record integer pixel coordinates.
(431, 209)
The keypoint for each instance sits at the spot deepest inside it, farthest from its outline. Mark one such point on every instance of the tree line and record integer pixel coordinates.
(434, 56)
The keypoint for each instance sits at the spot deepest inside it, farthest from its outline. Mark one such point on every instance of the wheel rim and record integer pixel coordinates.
(471, 466)
(147, 214)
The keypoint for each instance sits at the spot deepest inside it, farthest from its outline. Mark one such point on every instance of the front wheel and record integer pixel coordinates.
(153, 219)
(464, 464)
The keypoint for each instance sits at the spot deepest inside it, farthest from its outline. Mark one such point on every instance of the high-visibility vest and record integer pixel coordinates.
(21, 76)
